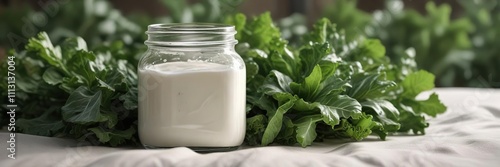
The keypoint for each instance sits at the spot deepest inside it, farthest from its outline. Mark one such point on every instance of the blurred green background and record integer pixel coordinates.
(457, 40)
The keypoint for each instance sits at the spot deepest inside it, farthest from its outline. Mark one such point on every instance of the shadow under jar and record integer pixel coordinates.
(192, 88)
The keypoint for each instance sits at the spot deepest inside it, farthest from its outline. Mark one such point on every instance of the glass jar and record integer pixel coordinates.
(192, 87)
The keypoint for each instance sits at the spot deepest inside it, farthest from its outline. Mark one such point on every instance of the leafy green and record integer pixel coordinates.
(309, 88)
(358, 128)
(323, 86)
(327, 86)
(66, 90)
(44, 125)
(306, 129)
(368, 86)
(52, 76)
(115, 137)
(431, 106)
(82, 106)
(417, 82)
(275, 122)
(382, 107)
(338, 107)
(255, 129)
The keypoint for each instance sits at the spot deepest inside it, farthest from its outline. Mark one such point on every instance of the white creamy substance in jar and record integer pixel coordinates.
(195, 104)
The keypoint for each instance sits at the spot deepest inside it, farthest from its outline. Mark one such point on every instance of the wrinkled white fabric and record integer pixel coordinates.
(468, 134)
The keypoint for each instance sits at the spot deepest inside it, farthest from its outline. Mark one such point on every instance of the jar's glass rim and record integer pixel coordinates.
(190, 28)
(190, 34)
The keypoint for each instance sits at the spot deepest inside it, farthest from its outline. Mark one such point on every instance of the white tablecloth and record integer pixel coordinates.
(468, 134)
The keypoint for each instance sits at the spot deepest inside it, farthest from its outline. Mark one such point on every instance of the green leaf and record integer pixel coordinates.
(110, 78)
(252, 69)
(313, 54)
(283, 97)
(323, 31)
(372, 48)
(111, 117)
(388, 124)
(280, 63)
(357, 128)
(82, 106)
(369, 86)
(40, 126)
(130, 99)
(69, 84)
(328, 68)
(286, 135)
(255, 129)
(431, 106)
(332, 109)
(306, 129)
(275, 123)
(260, 31)
(276, 82)
(52, 76)
(310, 87)
(45, 125)
(81, 67)
(42, 45)
(385, 113)
(71, 45)
(332, 86)
(382, 107)
(417, 82)
(304, 106)
(114, 137)
(263, 102)
(412, 121)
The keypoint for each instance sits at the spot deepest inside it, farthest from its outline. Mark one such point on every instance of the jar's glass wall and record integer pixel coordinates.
(192, 88)
(222, 55)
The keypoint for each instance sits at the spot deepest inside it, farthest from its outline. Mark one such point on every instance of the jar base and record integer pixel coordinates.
(199, 149)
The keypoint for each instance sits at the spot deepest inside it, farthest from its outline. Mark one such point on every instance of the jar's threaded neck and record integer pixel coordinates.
(190, 34)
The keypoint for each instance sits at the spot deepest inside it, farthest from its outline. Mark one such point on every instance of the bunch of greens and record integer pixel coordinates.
(327, 87)
(484, 69)
(324, 87)
(69, 91)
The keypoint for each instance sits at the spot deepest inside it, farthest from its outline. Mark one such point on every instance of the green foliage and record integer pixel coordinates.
(328, 84)
(484, 68)
(325, 88)
(460, 51)
(69, 91)
(306, 129)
